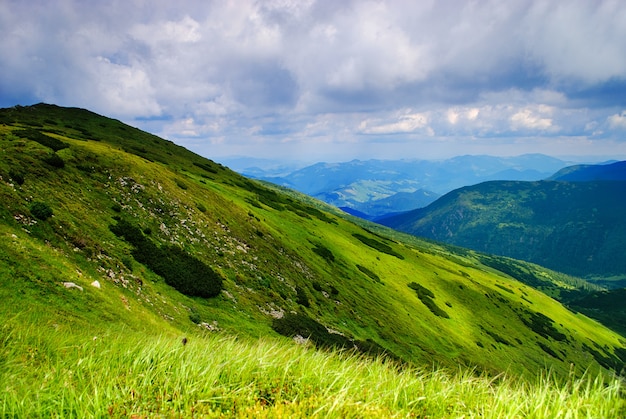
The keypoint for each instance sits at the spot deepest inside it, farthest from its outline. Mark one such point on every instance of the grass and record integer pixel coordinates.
(55, 372)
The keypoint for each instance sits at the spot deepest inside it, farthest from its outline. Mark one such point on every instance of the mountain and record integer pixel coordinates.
(573, 227)
(378, 187)
(116, 243)
(592, 172)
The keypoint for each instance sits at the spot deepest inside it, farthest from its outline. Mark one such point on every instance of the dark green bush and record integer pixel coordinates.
(375, 244)
(302, 298)
(299, 324)
(179, 269)
(195, 317)
(54, 160)
(542, 325)
(369, 273)
(421, 290)
(426, 296)
(41, 138)
(17, 177)
(182, 185)
(41, 210)
(434, 308)
(206, 166)
(324, 252)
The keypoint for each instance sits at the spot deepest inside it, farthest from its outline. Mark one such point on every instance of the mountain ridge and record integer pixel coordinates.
(377, 187)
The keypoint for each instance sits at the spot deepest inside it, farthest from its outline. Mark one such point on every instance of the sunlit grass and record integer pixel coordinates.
(48, 373)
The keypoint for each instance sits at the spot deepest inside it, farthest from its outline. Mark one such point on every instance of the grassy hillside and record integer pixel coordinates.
(573, 227)
(107, 232)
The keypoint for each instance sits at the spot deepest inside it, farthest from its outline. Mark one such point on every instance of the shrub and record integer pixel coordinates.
(426, 296)
(41, 138)
(369, 273)
(195, 317)
(375, 244)
(54, 160)
(302, 298)
(41, 210)
(182, 185)
(421, 290)
(292, 325)
(179, 269)
(324, 252)
(17, 177)
(299, 324)
(542, 325)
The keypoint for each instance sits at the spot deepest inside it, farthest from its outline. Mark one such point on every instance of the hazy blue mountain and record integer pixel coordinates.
(591, 172)
(377, 187)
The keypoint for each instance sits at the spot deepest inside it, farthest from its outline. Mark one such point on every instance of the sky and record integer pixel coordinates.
(317, 80)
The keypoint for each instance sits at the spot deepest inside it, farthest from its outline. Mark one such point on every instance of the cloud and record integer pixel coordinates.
(407, 123)
(532, 118)
(618, 121)
(324, 72)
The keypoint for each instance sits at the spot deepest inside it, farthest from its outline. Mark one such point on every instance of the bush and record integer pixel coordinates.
(54, 160)
(299, 324)
(369, 273)
(41, 138)
(179, 269)
(375, 244)
(302, 298)
(195, 317)
(324, 252)
(181, 184)
(421, 290)
(17, 177)
(426, 296)
(41, 210)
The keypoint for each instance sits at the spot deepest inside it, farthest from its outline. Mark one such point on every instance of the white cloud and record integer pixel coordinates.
(617, 121)
(532, 118)
(125, 89)
(409, 122)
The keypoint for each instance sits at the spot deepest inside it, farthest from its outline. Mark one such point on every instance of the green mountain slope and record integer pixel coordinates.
(573, 227)
(84, 198)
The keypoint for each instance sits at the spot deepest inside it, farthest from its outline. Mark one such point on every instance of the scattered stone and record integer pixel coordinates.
(300, 340)
(72, 285)
(213, 327)
(95, 284)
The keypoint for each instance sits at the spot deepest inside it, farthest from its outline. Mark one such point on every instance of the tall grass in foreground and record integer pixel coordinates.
(48, 373)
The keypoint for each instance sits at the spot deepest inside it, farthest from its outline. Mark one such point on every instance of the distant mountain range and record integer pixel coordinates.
(376, 187)
(573, 223)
